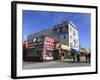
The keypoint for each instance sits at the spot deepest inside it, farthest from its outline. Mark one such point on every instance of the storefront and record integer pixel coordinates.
(66, 51)
(48, 48)
(40, 50)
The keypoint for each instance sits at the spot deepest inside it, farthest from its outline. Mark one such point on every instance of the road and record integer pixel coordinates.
(55, 64)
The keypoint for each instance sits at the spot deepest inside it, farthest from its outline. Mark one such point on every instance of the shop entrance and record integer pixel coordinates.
(56, 54)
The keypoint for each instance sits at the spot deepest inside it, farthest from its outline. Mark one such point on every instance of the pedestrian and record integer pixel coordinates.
(73, 57)
(62, 54)
(89, 56)
(86, 57)
(78, 57)
(73, 54)
(54, 52)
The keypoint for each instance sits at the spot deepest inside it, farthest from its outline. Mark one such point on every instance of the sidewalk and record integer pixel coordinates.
(56, 64)
(82, 60)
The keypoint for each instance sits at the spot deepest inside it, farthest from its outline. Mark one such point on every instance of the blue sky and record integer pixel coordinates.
(34, 21)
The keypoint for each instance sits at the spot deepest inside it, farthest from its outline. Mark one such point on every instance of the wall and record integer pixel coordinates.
(73, 37)
(5, 40)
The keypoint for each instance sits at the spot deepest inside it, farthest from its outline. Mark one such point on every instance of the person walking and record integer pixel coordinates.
(89, 56)
(62, 54)
(78, 57)
(86, 57)
(73, 54)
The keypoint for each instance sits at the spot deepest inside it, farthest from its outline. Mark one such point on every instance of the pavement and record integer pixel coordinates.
(56, 64)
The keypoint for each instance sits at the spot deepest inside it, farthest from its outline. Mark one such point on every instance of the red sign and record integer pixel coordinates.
(26, 44)
(48, 43)
(49, 40)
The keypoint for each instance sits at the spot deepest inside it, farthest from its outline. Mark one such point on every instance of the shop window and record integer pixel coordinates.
(49, 54)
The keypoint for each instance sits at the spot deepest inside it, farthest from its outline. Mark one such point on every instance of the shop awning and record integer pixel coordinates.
(65, 47)
(82, 51)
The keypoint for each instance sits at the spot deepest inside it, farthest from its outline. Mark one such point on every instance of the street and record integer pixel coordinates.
(55, 64)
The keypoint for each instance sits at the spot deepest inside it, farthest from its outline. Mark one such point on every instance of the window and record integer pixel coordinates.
(60, 29)
(70, 29)
(74, 33)
(71, 44)
(64, 36)
(70, 36)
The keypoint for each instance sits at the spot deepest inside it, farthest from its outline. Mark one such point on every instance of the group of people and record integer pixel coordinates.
(77, 57)
(88, 57)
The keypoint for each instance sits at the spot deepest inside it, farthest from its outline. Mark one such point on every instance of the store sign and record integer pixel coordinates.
(48, 43)
(49, 40)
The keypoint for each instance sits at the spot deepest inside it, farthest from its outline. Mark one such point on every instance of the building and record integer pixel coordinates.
(46, 44)
(39, 50)
(64, 34)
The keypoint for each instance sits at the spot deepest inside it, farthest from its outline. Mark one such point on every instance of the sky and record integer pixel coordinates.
(35, 21)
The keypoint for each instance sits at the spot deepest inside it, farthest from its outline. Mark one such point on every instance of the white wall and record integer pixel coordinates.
(5, 40)
(76, 37)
